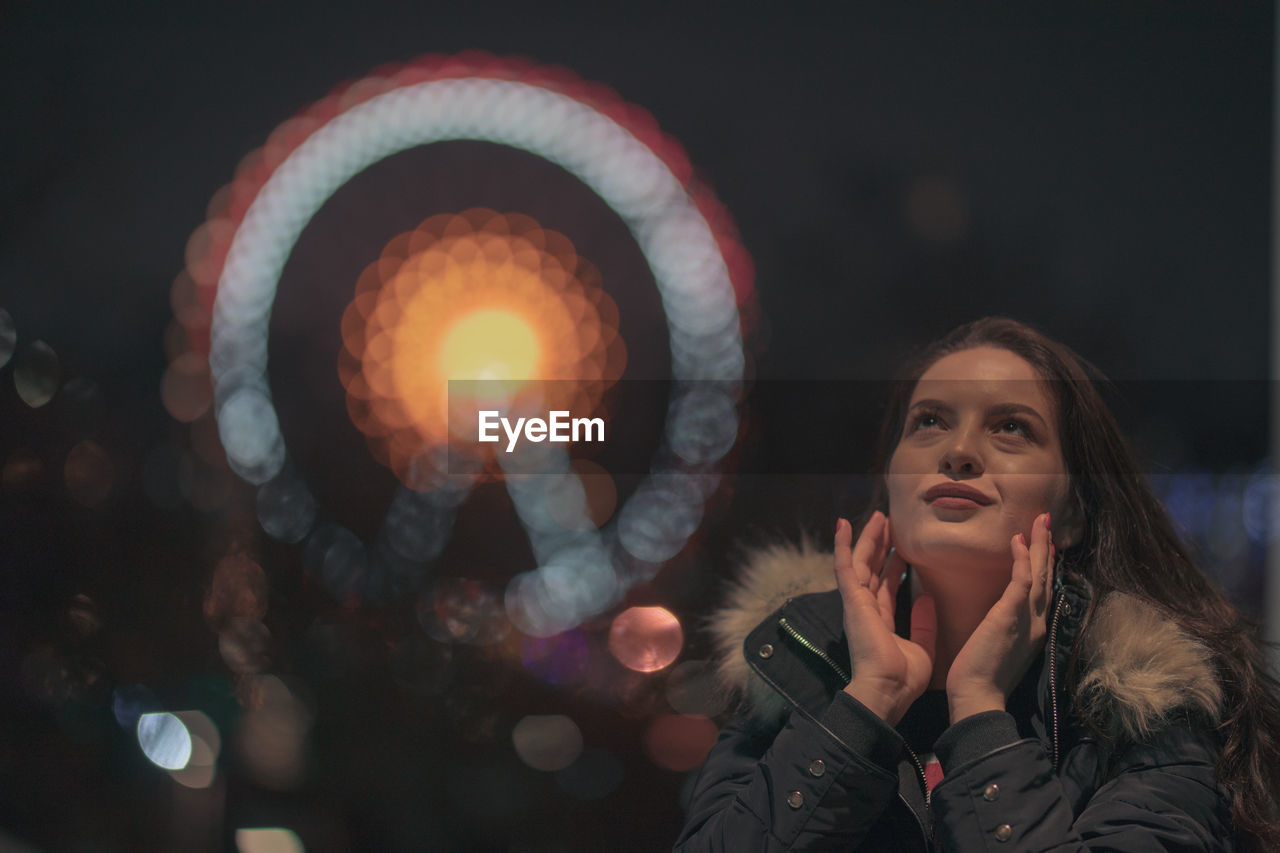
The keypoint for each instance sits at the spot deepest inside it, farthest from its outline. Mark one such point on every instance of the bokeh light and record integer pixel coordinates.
(271, 736)
(286, 508)
(646, 639)
(237, 589)
(661, 516)
(1260, 505)
(1228, 517)
(704, 423)
(678, 742)
(164, 740)
(271, 839)
(419, 308)
(560, 659)
(459, 610)
(206, 744)
(234, 607)
(474, 296)
(336, 558)
(574, 583)
(36, 374)
(245, 645)
(185, 389)
(191, 314)
(599, 496)
(547, 742)
(88, 473)
(1189, 496)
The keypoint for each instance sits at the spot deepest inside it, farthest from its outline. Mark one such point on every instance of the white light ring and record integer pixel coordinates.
(673, 235)
(381, 127)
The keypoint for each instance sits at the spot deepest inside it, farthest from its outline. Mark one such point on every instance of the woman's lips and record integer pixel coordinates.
(953, 502)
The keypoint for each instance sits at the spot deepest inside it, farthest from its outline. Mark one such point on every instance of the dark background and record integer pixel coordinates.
(1102, 174)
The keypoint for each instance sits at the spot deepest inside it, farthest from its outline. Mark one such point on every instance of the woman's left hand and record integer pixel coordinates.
(1001, 648)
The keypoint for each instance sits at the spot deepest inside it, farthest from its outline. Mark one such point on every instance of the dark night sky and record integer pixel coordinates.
(1103, 175)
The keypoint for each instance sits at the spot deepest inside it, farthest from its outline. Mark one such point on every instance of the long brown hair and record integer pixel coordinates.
(1129, 544)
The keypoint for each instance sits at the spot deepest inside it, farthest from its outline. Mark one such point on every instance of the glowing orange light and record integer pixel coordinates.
(678, 742)
(490, 345)
(186, 389)
(645, 639)
(474, 296)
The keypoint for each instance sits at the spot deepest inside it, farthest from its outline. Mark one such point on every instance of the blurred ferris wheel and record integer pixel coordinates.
(466, 299)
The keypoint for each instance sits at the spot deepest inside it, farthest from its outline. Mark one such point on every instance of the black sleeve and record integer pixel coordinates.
(1000, 793)
(810, 784)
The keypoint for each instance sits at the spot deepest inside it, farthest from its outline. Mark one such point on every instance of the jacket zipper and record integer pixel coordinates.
(1053, 674)
(924, 784)
(799, 638)
(845, 678)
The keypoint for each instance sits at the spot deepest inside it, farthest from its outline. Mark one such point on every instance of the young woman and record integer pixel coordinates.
(1017, 652)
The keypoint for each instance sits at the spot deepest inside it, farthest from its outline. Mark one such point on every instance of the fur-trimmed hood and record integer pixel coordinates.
(1137, 665)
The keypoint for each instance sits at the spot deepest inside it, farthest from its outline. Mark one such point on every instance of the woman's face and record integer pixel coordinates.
(979, 458)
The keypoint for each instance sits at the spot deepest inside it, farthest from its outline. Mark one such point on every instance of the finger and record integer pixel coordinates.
(924, 624)
(869, 549)
(1019, 589)
(1039, 561)
(847, 573)
(846, 577)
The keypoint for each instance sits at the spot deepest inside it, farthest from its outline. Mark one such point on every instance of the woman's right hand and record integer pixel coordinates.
(889, 672)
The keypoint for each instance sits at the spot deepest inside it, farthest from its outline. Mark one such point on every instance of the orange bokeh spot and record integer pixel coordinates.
(490, 344)
(186, 389)
(679, 742)
(646, 639)
(472, 296)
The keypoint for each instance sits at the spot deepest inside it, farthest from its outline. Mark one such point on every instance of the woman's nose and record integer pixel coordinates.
(960, 457)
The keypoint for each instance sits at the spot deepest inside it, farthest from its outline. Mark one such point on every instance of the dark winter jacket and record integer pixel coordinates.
(1122, 761)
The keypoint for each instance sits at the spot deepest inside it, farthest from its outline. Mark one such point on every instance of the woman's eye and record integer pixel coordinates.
(1013, 427)
(925, 420)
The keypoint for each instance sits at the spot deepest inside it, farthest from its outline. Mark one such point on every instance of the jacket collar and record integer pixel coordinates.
(1138, 665)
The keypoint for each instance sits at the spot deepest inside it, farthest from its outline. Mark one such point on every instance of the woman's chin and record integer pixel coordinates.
(960, 557)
